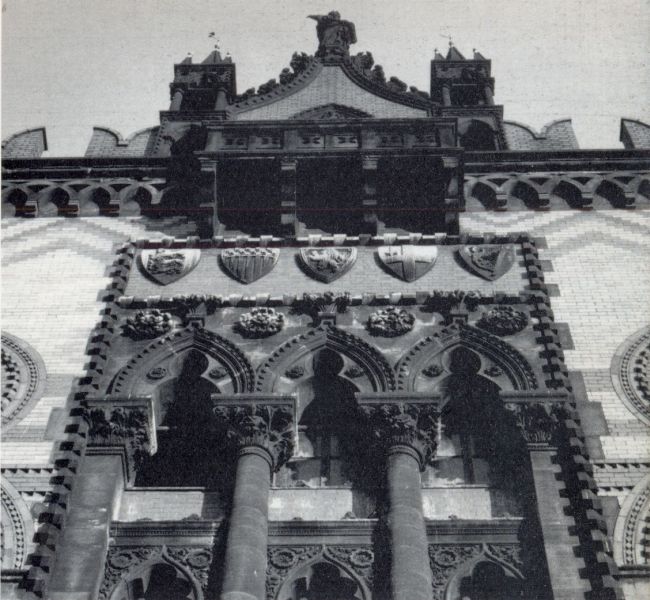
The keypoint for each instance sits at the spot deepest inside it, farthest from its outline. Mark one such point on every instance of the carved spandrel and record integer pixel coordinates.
(263, 422)
(411, 421)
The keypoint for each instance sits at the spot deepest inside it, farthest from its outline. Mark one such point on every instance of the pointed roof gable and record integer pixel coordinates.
(454, 54)
(345, 84)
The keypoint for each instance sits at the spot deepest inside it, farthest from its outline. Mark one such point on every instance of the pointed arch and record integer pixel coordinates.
(161, 570)
(324, 566)
(511, 577)
(433, 350)
(375, 371)
(132, 379)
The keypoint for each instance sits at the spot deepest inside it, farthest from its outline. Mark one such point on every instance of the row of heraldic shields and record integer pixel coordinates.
(408, 263)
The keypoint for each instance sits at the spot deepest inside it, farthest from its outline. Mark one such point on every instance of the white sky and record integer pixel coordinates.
(72, 64)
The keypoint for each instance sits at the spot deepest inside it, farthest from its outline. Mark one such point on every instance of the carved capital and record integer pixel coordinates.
(126, 424)
(409, 420)
(540, 419)
(259, 421)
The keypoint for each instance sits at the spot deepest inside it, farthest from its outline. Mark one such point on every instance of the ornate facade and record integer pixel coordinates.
(329, 361)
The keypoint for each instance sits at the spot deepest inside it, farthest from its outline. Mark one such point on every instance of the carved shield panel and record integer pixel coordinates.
(167, 265)
(489, 261)
(248, 264)
(327, 264)
(408, 262)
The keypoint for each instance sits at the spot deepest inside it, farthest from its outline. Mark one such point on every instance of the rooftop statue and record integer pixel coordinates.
(334, 35)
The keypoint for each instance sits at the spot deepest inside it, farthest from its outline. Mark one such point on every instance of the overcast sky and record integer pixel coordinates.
(73, 64)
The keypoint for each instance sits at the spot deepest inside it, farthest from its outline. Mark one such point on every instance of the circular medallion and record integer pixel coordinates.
(157, 373)
(121, 560)
(362, 558)
(445, 558)
(284, 558)
(200, 559)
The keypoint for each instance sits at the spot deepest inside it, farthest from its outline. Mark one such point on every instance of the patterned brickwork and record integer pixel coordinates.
(600, 265)
(25, 144)
(635, 134)
(557, 135)
(106, 142)
(332, 86)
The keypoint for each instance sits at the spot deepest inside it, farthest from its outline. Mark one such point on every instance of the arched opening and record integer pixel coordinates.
(478, 136)
(138, 202)
(608, 192)
(160, 581)
(571, 194)
(327, 423)
(478, 447)
(526, 194)
(489, 581)
(185, 427)
(643, 190)
(322, 580)
(97, 203)
(485, 195)
(56, 203)
(14, 203)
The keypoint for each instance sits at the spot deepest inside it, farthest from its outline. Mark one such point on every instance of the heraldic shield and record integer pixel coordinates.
(249, 264)
(489, 261)
(167, 265)
(327, 264)
(408, 262)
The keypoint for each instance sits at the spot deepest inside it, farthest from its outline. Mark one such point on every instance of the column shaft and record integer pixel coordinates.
(245, 562)
(410, 570)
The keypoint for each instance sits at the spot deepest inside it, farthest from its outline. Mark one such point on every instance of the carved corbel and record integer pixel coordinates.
(410, 420)
(540, 418)
(122, 425)
(259, 421)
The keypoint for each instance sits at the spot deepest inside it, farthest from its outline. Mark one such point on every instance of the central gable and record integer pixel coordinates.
(330, 85)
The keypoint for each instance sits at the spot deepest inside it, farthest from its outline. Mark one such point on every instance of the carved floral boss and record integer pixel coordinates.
(326, 264)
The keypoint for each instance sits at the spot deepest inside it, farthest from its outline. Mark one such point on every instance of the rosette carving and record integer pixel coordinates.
(503, 320)
(260, 322)
(390, 322)
(148, 324)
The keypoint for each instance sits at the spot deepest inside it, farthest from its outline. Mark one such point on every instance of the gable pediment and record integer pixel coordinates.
(324, 91)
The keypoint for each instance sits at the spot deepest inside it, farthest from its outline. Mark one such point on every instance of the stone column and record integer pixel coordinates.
(407, 426)
(446, 94)
(489, 95)
(262, 428)
(120, 435)
(177, 100)
(369, 200)
(288, 196)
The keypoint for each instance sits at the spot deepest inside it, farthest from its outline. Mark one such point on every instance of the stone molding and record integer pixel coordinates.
(518, 370)
(452, 561)
(123, 563)
(370, 360)
(17, 528)
(222, 350)
(354, 561)
(23, 378)
(630, 372)
(631, 530)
